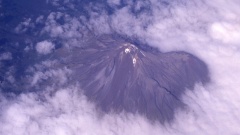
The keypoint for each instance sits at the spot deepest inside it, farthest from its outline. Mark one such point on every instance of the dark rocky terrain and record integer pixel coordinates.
(119, 76)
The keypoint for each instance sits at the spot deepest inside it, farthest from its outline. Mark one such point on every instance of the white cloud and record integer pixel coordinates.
(66, 112)
(226, 32)
(113, 2)
(44, 47)
(40, 19)
(6, 56)
(207, 29)
(58, 75)
(24, 26)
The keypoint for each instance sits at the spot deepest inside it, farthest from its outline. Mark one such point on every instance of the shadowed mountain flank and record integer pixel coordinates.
(119, 76)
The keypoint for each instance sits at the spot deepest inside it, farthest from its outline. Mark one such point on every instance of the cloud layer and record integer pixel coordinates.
(207, 29)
